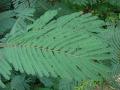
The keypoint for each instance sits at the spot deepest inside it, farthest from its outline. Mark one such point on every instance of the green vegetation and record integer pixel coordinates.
(59, 44)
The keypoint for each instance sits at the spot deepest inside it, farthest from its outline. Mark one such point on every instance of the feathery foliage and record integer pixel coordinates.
(58, 41)
(68, 47)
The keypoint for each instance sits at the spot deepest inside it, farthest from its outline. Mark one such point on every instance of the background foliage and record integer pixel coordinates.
(59, 44)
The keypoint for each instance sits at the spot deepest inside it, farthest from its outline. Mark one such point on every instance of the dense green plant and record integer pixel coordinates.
(59, 44)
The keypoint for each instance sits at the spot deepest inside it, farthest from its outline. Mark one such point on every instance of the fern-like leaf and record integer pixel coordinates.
(65, 47)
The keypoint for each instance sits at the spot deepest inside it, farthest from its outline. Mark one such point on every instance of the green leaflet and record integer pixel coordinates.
(1, 84)
(81, 2)
(115, 42)
(19, 83)
(4, 69)
(18, 25)
(114, 80)
(112, 36)
(22, 4)
(6, 21)
(115, 3)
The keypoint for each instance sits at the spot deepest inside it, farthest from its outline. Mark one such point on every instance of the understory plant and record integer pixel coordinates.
(59, 45)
